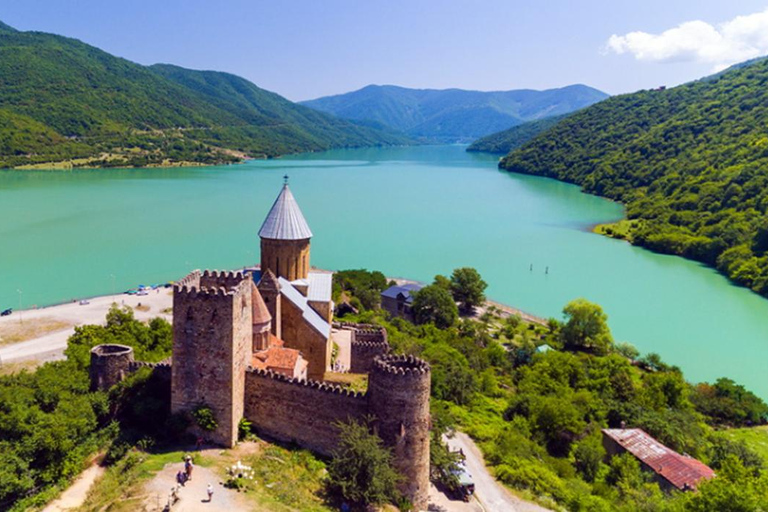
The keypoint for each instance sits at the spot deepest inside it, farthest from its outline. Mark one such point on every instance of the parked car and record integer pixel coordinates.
(6, 312)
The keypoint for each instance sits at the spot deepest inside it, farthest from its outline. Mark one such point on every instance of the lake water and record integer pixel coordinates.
(410, 212)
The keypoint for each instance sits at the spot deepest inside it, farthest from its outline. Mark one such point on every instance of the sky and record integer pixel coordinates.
(304, 49)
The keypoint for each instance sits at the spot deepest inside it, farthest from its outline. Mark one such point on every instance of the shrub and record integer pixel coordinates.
(205, 418)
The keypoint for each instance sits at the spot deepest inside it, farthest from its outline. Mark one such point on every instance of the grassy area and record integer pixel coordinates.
(121, 487)
(285, 479)
(23, 330)
(755, 437)
(622, 229)
(11, 368)
(354, 381)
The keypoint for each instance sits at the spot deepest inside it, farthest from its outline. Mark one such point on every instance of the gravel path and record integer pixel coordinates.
(492, 495)
(75, 495)
(193, 494)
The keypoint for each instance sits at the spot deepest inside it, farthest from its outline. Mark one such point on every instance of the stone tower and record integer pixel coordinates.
(109, 365)
(212, 345)
(398, 394)
(285, 238)
(262, 321)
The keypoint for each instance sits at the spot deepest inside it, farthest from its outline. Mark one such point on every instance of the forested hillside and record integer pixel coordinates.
(453, 115)
(690, 163)
(62, 99)
(506, 141)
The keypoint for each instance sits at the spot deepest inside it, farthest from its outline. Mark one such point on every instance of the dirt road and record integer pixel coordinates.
(491, 494)
(51, 346)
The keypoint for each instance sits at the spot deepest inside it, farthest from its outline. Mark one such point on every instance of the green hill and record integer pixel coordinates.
(506, 141)
(64, 99)
(453, 115)
(690, 163)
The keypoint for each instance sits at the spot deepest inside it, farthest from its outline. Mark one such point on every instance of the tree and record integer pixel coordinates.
(468, 288)
(586, 327)
(361, 470)
(435, 304)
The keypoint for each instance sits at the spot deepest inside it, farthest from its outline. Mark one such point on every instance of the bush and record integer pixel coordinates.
(204, 417)
(361, 469)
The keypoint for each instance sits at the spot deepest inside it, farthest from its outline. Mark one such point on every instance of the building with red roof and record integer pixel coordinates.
(673, 470)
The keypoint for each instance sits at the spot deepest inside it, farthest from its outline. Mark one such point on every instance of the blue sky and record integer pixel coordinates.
(304, 49)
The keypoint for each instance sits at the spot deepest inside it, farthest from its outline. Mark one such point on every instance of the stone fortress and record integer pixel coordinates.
(258, 344)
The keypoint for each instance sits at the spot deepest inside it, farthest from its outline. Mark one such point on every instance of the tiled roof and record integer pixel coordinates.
(300, 301)
(261, 314)
(276, 357)
(285, 220)
(680, 470)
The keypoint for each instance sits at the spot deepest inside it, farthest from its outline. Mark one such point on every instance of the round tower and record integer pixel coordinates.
(398, 394)
(109, 365)
(285, 238)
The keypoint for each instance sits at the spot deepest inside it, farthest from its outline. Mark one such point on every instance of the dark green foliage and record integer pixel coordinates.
(538, 419)
(468, 288)
(434, 304)
(151, 342)
(586, 327)
(50, 421)
(509, 140)
(204, 418)
(453, 115)
(689, 162)
(364, 285)
(62, 99)
(726, 402)
(361, 470)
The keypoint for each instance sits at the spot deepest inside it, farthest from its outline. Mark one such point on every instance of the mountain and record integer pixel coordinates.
(507, 140)
(690, 163)
(453, 115)
(61, 99)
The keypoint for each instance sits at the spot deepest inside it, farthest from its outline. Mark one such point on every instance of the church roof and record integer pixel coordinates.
(285, 220)
(261, 314)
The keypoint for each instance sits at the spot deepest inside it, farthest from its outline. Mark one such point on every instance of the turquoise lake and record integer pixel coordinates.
(410, 212)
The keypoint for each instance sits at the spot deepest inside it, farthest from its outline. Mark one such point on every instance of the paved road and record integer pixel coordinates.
(491, 494)
(51, 346)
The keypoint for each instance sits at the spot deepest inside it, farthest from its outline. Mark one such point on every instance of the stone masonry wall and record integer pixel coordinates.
(212, 341)
(298, 334)
(303, 412)
(286, 258)
(368, 342)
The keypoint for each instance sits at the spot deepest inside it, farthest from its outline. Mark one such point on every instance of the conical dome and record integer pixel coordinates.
(285, 220)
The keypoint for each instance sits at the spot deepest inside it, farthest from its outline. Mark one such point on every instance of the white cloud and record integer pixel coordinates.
(739, 39)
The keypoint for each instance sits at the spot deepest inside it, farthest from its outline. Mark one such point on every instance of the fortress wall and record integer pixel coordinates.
(303, 412)
(363, 353)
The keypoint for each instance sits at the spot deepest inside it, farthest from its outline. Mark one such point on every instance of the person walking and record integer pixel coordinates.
(209, 490)
(188, 467)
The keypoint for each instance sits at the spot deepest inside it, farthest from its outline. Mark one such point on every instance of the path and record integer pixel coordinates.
(75, 495)
(491, 494)
(51, 346)
(193, 495)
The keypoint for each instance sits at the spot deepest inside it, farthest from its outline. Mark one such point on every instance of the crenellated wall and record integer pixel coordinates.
(299, 411)
(368, 342)
(109, 365)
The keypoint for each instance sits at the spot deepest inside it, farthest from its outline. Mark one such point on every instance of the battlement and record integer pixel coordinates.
(408, 366)
(110, 363)
(135, 366)
(306, 383)
(212, 283)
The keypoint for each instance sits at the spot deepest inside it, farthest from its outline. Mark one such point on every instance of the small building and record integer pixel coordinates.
(398, 300)
(671, 469)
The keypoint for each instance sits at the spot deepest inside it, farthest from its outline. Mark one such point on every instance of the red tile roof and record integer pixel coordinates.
(276, 358)
(680, 470)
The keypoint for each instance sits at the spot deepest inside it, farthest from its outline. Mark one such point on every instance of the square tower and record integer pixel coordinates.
(212, 338)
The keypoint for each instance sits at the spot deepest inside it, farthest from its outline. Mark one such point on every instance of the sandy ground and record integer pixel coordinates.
(193, 495)
(51, 346)
(75, 495)
(491, 494)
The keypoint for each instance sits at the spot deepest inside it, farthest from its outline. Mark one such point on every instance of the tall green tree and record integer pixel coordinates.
(435, 304)
(586, 327)
(361, 469)
(468, 288)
